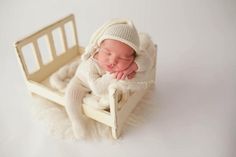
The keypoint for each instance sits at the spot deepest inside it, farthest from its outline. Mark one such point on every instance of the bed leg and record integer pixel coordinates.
(113, 98)
(115, 132)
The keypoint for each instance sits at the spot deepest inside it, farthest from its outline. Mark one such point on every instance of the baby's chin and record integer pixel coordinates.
(110, 70)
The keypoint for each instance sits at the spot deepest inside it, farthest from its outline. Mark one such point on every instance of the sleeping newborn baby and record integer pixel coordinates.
(127, 70)
(113, 57)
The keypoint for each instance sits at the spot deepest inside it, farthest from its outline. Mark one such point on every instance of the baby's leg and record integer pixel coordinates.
(74, 95)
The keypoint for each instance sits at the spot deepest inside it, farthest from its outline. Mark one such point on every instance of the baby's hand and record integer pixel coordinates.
(131, 75)
(129, 72)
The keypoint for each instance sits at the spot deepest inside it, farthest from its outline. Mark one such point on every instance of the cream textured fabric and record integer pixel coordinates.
(118, 29)
(74, 95)
(61, 78)
(93, 77)
(125, 33)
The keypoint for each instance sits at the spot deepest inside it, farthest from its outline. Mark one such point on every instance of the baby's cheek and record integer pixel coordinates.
(103, 60)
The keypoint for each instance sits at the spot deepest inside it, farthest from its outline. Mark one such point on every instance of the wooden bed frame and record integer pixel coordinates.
(35, 81)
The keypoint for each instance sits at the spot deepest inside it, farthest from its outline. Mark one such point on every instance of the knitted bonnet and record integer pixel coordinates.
(122, 30)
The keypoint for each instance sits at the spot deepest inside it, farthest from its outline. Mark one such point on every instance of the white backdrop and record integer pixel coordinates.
(192, 111)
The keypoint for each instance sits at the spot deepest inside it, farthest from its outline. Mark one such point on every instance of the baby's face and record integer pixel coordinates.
(114, 56)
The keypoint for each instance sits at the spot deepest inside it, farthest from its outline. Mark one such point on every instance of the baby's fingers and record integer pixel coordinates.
(124, 76)
(119, 75)
(131, 75)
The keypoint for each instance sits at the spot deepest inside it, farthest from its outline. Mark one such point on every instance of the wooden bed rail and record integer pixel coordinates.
(45, 69)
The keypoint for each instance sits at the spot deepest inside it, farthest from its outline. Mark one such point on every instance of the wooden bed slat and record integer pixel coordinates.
(75, 30)
(52, 45)
(51, 67)
(37, 54)
(64, 38)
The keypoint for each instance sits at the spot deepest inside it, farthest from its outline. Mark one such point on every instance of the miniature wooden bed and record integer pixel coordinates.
(35, 79)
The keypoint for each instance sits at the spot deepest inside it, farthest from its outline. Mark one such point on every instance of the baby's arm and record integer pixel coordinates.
(140, 64)
(143, 62)
(89, 73)
(99, 83)
(145, 59)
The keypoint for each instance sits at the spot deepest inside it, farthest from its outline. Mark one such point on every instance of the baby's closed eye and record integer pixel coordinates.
(127, 57)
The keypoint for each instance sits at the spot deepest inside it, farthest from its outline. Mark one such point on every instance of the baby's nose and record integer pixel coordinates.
(113, 60)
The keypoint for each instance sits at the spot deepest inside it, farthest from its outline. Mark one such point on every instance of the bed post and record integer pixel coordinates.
(114, 111)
